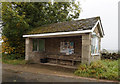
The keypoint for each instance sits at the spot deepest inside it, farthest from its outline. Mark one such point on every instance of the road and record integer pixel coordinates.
(39, 73)
(13, 76)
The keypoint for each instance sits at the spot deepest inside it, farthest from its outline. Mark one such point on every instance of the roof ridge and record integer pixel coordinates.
(97, 17)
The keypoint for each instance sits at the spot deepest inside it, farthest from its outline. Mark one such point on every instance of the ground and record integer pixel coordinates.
(12, 76)
(41, 73)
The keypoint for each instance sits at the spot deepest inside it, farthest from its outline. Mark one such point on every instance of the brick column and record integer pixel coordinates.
(86, 48)
(28, 48)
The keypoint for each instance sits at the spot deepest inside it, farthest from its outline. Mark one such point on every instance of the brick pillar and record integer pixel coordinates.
(28, 48)
(86, 48)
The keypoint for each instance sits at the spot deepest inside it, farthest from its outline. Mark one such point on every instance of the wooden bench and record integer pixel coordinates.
(66, 59)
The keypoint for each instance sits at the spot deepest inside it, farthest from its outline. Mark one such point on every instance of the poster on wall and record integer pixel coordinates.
(67, 47)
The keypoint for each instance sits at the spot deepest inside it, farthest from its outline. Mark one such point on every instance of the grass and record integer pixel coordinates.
(10, 59)
(103, 69)
(14, 62)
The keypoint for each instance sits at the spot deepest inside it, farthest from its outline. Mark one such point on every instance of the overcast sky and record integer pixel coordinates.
(108, 11)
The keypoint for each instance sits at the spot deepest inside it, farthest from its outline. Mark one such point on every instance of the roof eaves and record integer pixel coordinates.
(58, 33)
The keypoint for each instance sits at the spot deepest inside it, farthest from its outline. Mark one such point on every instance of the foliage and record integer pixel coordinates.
(114, 56)
(107, 55)
(6, 46)
(9, 52)
(118, 51)
(104, 69)
(21, 17)
(12, 56)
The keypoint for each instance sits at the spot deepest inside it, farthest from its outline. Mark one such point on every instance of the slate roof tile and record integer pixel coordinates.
(83, 24)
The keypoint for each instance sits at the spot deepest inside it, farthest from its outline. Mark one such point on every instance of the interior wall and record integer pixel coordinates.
(52, 45)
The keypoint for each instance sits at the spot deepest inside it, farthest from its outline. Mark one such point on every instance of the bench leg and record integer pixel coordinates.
(72, 62)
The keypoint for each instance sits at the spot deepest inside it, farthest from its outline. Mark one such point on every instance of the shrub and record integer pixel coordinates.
(114, 56)
(12, 56)
(104, 69)
(9, 52)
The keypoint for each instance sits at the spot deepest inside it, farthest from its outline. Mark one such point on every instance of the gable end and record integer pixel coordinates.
(99, 29)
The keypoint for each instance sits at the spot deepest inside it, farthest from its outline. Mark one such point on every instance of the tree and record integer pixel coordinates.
(21, 17)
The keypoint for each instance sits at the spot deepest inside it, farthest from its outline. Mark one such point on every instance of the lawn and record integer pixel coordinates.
(103, 69)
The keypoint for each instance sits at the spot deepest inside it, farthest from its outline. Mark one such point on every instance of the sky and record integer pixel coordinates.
(108, 11)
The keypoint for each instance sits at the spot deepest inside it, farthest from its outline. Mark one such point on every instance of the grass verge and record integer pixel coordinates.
(103, 69)
(14, 62)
